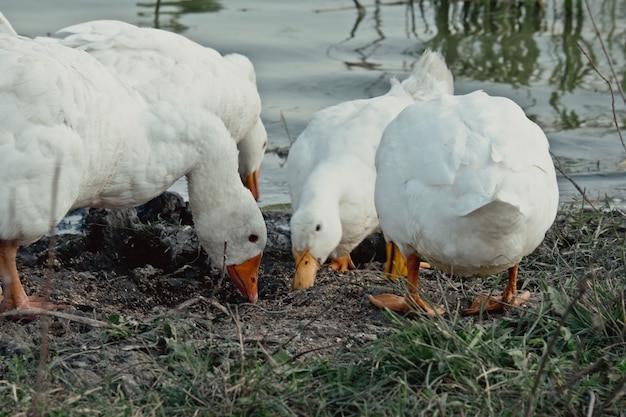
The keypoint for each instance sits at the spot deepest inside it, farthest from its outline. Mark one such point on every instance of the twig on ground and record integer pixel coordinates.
(616, 394)
(242, 350)
(13, 389)
(267, 355)
(601, 363)
(27, 312)
(322, 311)
(44, 322)
(299, 354)
(552, 342)
(196, 398)
(186, 304)
(592, 403)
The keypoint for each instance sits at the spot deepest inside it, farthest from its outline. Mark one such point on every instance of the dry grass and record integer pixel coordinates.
(315, 353)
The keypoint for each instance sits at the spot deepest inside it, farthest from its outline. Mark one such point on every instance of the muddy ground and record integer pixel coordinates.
(138, 266)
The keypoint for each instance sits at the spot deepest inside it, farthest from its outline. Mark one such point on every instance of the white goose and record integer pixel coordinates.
(73, 135)
(466, 182)
(331, 170)
(167, 66)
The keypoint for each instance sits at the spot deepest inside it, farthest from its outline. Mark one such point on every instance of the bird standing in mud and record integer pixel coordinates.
(331, 172)
(74, 135)
(467, 183)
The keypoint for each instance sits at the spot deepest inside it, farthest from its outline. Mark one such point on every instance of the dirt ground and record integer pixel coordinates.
(137, 266)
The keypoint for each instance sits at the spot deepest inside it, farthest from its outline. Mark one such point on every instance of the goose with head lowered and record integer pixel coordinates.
(331, 172)
(466, 182)
(165, 66)
(72, 134)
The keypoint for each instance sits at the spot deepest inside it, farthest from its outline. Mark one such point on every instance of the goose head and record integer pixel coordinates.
(228, 221)
(314, 236)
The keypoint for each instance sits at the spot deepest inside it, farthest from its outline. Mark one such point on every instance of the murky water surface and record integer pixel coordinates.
(313, 54)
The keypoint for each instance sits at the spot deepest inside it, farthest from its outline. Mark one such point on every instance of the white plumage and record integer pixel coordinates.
(466, 182)
(331, 170)
(72, 135)
(166, 66)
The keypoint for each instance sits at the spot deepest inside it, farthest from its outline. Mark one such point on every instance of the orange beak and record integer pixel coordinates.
(306, 269)
(252, 183)
(246, 277)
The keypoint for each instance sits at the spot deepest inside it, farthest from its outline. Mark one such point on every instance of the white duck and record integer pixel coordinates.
(466, 182)
(166, 66)
(331, 170)
(73, 135)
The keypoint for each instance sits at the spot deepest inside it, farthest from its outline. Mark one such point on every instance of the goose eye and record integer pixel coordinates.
(264, 144)
(318, 227)
(253, 238)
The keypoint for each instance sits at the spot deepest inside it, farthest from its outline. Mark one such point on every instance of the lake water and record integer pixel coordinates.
(316, 53)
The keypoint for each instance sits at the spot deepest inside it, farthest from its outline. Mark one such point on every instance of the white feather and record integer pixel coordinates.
(331, 171)
(467, 182)
(72, 135)
(165, 66)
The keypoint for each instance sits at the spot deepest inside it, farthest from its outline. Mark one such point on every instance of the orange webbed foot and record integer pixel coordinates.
(404, 304)
(495, 304)
(342, 264)
(412, 300)
(34, 303)
(391, 301)
(41, 303)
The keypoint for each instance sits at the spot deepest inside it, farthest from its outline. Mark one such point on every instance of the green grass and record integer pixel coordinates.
(559, 358)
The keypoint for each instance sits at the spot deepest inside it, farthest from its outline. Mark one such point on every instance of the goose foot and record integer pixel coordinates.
(404, 304)
(495, 304)
(33, 303)
(342, 264)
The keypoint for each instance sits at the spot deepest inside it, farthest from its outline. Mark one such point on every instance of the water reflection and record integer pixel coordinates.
(362, 51)
(487, 42)
(517, 43)
(166, 14)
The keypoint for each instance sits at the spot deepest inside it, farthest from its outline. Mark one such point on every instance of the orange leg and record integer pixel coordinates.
(508, 299)
(342, 264)
(404, 304)
(13, 295)
(395, 265)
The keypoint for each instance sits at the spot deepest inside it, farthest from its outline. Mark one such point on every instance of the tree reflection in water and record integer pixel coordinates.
(517, 43)
(173, 10)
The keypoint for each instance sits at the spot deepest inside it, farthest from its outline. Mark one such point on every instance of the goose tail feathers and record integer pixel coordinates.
(430, 77)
